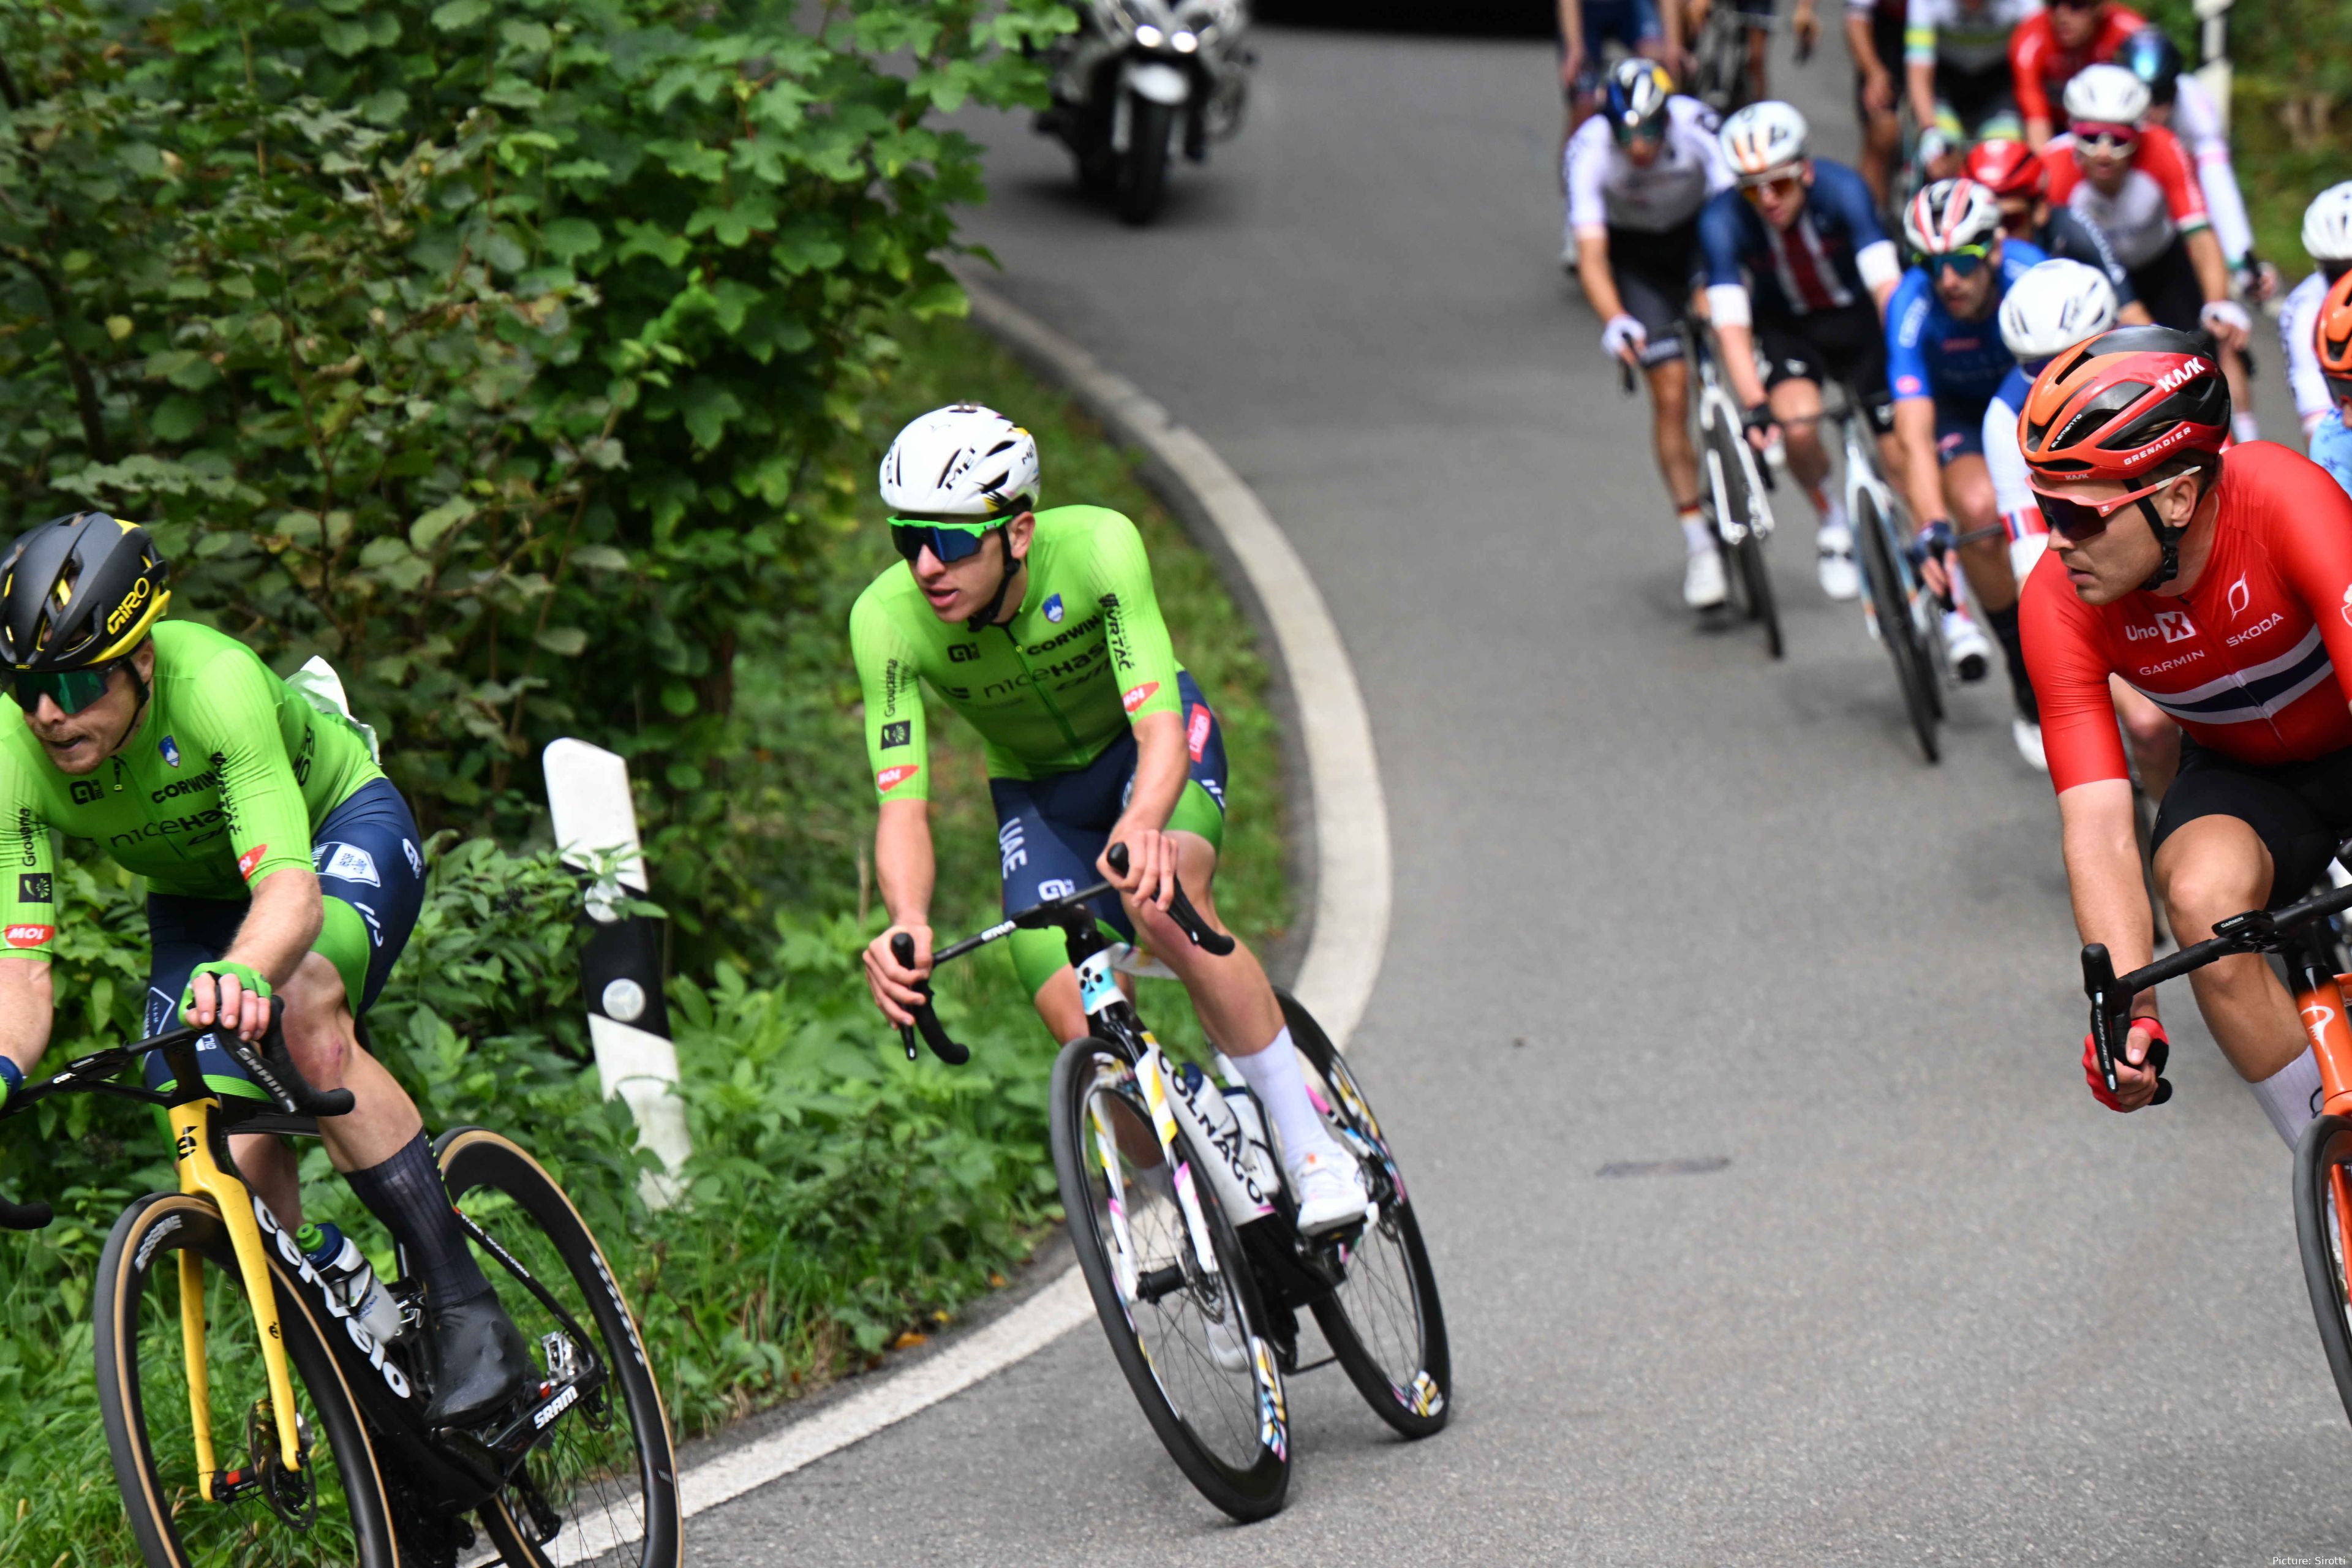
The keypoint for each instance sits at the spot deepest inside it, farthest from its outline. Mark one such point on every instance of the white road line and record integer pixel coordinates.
(1351, 860)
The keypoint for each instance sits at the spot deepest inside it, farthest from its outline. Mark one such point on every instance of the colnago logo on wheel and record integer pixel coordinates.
(291, 1255)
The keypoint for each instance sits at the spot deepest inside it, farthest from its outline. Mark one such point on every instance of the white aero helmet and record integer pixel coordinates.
(2327, 224)
(1950, 214)
(1763, 139)
(2054, 306)
(2107, 95)
(961, 462)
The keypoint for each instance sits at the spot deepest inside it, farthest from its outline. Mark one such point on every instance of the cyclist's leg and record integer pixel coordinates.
(1759, 14)
(1793, 372)
(1049, 833)
(1882, 130)
(2230, 839)
(1652, 272)
(1992, 581)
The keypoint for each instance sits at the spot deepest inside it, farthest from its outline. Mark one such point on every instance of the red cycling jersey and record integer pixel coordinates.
(2159, 198)
(2255, 661)
(2040, 67)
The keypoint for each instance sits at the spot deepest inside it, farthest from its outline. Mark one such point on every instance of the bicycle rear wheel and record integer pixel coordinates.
(332, 1511)
(601, 1485)
(1891, 613)
(2323, 1227)
(1188, 1339)
(1735, 506)
(1384, 1323)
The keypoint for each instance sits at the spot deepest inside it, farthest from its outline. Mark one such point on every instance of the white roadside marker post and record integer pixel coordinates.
(595, 825)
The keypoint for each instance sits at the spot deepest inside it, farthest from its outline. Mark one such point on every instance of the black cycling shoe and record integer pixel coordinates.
(480, 1363)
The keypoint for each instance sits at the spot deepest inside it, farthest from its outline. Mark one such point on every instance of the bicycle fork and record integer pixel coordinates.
(202, 1177)
(2319, 997)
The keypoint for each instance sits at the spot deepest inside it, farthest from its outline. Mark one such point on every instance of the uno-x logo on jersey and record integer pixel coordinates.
(250, 859)
(890, 778)
(2174, 625)
(2240, 596)
(1135, 696)
(29, 936)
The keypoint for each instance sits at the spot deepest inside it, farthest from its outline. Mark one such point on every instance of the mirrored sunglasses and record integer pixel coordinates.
(2077, 520)
(2107, 138)
(950, 542)
(72, 689)
(1961, 262)
(1783, 186)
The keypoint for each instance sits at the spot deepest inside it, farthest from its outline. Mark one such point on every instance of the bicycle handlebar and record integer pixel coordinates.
(25, 1216)
(2256, 930)
(935, 1035)
(272, 1067)
(1216, 944)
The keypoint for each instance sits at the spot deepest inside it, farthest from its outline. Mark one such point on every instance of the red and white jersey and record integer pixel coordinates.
(2039, 65)
(2252, 660)
(2159, 197)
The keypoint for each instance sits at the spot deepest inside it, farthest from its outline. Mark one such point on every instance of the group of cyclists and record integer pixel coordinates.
(2046, 317)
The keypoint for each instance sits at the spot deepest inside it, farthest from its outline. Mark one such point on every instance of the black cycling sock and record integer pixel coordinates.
(2013, 644)
(405, 1193)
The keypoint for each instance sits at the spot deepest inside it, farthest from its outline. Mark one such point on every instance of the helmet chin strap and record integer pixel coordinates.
(986, 615)
(2169, 538)
(138, 709)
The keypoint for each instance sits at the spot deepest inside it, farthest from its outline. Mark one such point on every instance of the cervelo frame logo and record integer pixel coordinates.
(291, 1255)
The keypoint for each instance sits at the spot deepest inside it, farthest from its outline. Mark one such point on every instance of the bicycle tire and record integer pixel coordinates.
(1142, 179)
(2323, 1205)
(1417, 1400)
(1747, 576)
(1891, 608)
(1722, 503)
(141, 1357)
(1762, 608)
(580, 1468)
(1089, 1070)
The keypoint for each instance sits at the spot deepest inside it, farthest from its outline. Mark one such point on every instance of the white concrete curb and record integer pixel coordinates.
(1351, 868)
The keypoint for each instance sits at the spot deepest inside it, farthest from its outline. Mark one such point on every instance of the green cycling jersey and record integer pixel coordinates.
(219, 785)
(1086, 655)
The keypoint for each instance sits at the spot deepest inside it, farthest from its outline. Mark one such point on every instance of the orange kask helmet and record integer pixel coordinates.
(2332, 335)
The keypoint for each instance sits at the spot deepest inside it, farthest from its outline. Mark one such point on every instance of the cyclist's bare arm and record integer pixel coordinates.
(2212, 274)
(26, 1003)
(905, 870)
(278, 928)
(1878, 86)
(1923, 476)
(1736, 344)
(1592, 272)
(1919, 81)
(1571, 31)
(1162, 767)
(2103, 878)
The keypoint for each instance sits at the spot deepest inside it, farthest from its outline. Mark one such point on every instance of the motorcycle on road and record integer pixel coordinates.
(1138, 81)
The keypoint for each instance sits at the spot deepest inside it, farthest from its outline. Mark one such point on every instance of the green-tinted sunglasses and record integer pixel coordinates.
(72, 689)
(950, 542)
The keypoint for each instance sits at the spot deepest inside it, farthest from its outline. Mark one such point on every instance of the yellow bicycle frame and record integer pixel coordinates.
(201, 1176)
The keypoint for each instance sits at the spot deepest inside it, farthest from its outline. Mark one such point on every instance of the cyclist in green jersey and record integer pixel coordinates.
(1042, 631)
(279, 862)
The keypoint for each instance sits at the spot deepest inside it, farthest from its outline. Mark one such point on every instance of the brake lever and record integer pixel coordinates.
(1216, 944)
(935, 1035)
(2099, 985)
(272, 1067)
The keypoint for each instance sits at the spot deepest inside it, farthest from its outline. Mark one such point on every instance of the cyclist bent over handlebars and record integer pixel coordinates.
(1042, 631)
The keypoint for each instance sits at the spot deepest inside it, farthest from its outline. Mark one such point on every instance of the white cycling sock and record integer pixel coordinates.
(1697, 535)
(2245, 426)
(2290, 1097)
(1274, 1077)
(1832, 510)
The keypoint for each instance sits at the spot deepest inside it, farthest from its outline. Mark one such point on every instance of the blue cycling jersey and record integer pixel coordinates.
(2331, 446)
(1808, 267)
(1930, 352)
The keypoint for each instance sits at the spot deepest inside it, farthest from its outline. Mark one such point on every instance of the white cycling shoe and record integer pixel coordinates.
(1330, 1193)
(2028, 735)
(1839, 579)
(1703, 585)
(1966, 644)
(1226, 1346)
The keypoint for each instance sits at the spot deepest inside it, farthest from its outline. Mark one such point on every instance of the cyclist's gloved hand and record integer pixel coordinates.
(2159, 1049)
(2225, 316)
(12, 1078)
(1623, 333)
(246, 976)
(1932, 543)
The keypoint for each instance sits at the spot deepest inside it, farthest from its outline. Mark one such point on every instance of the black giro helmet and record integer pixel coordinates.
(2152, 55)
(79, 591)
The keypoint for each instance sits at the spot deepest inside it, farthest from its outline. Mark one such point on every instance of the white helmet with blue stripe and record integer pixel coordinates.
(1764, 139)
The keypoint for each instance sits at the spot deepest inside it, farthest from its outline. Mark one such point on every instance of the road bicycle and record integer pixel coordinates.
(2300, 935)
(1732, 486)
(206, 1302)
(1184, 1226)
(1902, 616)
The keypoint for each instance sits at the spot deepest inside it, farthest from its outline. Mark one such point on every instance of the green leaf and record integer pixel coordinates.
(565, 642)
(601, 558)
(569, 238)
(345, 37)
(430, 528)
(176, 418)
(678, 697)
(458, 14)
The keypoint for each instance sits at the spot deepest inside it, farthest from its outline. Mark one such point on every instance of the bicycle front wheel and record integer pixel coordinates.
(2323, 1227)
(171, 1250)
(1188, 1338)
(1890, 608)
(601, 1485)
(1384, 1323)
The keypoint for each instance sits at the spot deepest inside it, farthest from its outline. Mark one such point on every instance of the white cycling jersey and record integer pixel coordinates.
(2012, 492)
(1968, 35)
(2297, 318)
(1608, 190)
(2197, 125)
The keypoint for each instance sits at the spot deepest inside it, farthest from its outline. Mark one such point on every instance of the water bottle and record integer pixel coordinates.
(340, 1262)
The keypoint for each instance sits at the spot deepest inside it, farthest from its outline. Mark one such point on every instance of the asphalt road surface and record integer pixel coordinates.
(1656, 898)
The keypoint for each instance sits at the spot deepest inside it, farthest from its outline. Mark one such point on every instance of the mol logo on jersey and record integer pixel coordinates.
(250, 859)
(1135, 696)
(29, 936)
(890, 778)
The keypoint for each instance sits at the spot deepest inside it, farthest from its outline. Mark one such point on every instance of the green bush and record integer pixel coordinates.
(505, 355)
